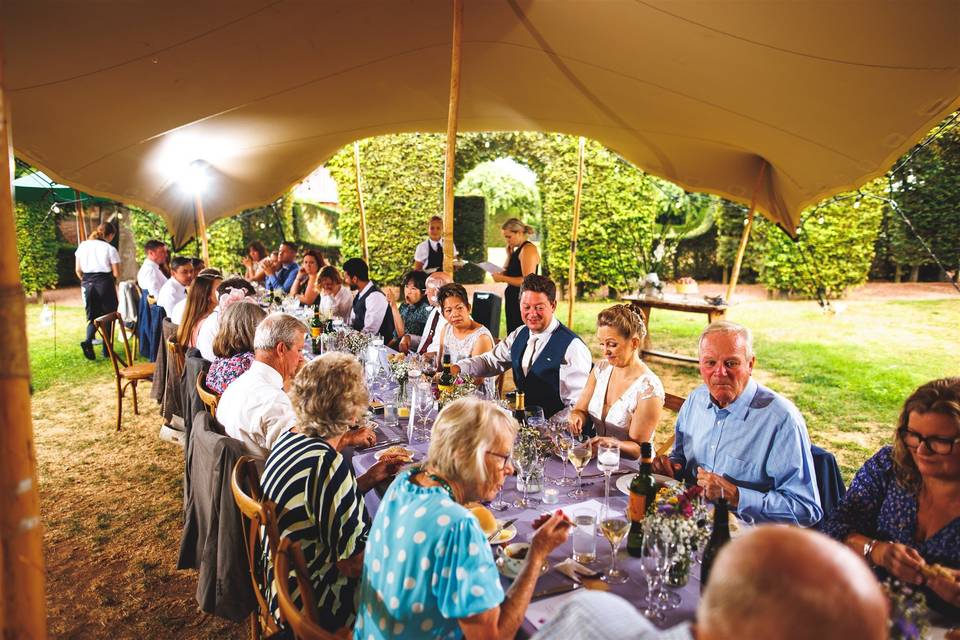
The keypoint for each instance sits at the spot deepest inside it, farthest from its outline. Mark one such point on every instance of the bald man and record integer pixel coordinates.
(774, 582)
(425, 343)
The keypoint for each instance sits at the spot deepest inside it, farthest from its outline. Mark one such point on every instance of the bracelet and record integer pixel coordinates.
(868, 549)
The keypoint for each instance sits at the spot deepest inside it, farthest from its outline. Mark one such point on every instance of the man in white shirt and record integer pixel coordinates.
(435, 321)
(428, 255)
(175, 289)
(150, 277)
(370, 306)
(550, 362)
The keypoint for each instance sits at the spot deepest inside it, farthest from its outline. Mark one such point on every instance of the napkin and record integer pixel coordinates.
(574, 570)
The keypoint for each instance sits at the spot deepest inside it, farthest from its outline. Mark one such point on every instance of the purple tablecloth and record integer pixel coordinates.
(634, 590)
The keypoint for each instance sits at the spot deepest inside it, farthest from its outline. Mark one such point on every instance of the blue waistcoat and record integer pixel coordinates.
(541, 385)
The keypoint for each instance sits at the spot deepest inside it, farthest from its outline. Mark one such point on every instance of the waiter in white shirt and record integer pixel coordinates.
(175, 289)
(98, 267)
(151, 277)
(428, 256)
(428, 340)
(550, 362)
(370, 306)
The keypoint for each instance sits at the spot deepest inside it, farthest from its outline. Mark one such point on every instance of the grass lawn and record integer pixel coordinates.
(55, 355)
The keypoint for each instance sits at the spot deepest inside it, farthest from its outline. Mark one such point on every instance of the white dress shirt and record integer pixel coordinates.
(207, 332)
(376, 307)
(170, 294)
(339, 304)
(416, 341)
(573, 370)
(422, 253)
(150, 277)
(176, 317)
(255, 410)
(96, 256)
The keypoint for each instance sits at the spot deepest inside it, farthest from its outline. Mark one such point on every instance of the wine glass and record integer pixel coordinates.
(614, 526)
(523, 466)
(649, 564)
(608, 461)
(425, 403)
(579, 455)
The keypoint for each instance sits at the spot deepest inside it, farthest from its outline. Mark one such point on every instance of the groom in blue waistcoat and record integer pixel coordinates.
(550, 362)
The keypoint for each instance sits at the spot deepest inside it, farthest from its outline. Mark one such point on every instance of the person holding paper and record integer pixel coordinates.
(522, 260)
(428, 256)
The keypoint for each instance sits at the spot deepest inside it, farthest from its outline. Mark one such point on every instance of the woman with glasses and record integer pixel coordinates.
(428, 571)
(902, 511)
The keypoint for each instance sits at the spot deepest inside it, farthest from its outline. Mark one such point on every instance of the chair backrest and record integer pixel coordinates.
(245, 484)
(302, 621)
(673, 403)
(107, 325)
(209, 398)
(174, 352)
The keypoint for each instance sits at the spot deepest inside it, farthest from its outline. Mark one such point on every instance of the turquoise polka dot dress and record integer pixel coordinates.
(427, 563)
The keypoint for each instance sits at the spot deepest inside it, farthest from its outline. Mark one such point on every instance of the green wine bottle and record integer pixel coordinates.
(643, 490)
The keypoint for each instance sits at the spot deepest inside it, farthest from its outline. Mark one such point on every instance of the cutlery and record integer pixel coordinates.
(388, 443)
(506, 525)
(554, 591)
(614, 474)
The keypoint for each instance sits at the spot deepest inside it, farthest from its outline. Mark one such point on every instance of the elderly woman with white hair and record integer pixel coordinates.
(319, 500)
(429, 570)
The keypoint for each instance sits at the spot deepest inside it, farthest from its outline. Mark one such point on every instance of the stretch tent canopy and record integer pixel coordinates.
(828, 94)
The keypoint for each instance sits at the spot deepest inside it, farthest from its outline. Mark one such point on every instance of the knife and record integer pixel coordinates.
(506, 525)
(554, 591)
(381, 445)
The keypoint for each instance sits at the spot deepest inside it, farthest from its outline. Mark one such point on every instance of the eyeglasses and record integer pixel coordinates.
(937, 444)
(507, 458)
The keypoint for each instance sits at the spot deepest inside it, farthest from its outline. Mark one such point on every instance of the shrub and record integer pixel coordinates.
(36, 247)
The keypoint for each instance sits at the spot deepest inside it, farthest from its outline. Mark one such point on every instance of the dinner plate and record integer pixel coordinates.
(502, 568)
(505, 535)
(378, 454)
(623, 482)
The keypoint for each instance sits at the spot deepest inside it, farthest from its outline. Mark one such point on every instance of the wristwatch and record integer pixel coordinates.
(868, 549)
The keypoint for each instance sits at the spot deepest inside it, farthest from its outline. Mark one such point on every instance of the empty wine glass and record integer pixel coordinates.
(523, 467)
(649, 564)
(614, 526)
(563, 442)
(425, 402)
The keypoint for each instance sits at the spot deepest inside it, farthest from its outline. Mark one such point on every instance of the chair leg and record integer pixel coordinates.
(119, 405)
(254, 628)
(136, 411)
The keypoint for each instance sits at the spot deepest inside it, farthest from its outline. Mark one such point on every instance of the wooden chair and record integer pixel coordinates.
(174, 352)
(127, 372)
(302, 621)
(245, 484)
(673, 403)
(209, 398)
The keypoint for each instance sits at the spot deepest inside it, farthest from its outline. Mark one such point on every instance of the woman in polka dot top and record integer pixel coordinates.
(428, 570)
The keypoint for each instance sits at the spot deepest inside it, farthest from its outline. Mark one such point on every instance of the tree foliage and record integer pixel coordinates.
(36, 247)
(225, 240)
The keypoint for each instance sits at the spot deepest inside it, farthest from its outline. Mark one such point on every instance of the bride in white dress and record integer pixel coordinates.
(622, 397)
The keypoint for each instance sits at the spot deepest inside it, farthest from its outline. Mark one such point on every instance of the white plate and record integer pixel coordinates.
(377, 455)
(510, 574)
(505, 535)
(623, 482)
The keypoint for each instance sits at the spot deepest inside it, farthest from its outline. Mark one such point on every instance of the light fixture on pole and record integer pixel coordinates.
(195, 181)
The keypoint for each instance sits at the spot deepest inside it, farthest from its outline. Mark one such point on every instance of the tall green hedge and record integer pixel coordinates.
(36, 247)
(225, 240)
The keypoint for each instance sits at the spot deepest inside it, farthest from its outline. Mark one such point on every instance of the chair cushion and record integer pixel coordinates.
(139, 371)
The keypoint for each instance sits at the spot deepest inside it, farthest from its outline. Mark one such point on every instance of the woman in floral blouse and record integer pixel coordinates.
(902, 511)
(233, 345)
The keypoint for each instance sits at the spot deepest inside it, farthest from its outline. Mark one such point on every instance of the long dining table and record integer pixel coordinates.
(542, 608)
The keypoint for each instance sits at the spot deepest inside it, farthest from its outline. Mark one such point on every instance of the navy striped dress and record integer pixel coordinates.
(320, 506)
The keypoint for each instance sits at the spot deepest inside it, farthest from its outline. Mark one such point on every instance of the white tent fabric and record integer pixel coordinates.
(117, 97)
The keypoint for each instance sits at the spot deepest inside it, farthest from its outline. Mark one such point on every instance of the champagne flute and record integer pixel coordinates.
(563, 442)
(608, 461)
(614, 525)
(579, 455)
(424, 407)
(522, 467)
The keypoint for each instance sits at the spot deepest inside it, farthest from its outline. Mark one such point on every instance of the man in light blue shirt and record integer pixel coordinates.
(282, 273)
(740, 440)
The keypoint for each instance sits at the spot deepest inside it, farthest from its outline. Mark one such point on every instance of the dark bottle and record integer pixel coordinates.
(447, 379)
(520, 410)
(643, 491)
(719, 537)
(316, 326)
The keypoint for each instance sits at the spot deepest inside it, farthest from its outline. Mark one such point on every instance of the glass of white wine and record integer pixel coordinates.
(608, 461)
(614, 526)
(579, 455)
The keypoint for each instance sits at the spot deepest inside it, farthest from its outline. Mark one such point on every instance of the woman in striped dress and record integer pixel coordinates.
(319, 500)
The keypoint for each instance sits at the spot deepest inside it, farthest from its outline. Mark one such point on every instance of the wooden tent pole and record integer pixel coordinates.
(735, 272)
(363, 211)
(201, 229)
(81, 222)
(453, 117)
(22, 604)
(574, 230)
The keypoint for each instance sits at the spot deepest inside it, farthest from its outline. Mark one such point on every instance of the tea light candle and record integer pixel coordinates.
(551, 495)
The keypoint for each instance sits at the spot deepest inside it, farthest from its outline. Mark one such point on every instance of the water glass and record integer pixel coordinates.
(585, 538)
(390, 416)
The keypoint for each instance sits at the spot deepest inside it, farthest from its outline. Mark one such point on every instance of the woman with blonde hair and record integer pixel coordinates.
(902, 510)
(429, 570)
(98, 267)
(319, 501)
(522, 260)
(200, 303)
(622, 397)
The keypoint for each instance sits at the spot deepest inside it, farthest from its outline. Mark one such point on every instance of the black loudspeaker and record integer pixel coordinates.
(486, 311)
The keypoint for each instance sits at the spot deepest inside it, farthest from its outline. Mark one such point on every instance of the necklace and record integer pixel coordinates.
(439, 480)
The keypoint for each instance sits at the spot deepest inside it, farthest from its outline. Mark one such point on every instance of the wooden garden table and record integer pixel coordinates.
(645, 304)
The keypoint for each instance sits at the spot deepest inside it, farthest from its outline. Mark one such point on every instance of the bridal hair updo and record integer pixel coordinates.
(625, 319)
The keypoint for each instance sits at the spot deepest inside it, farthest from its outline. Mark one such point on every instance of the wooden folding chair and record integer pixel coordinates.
(302, 621)
(209, 398)
(673, 403)
(245, 484)
(127, 372)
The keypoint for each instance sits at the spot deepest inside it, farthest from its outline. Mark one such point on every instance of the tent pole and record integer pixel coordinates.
(571, 280)
(735, 272)
(81, 222)
(363, 211)
(453, 116)
(22, 603)
(201, 229)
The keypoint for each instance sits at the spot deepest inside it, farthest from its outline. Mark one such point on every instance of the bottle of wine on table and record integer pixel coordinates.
(643, 490)
(520, 410)
(718, 538)
(447, 379)
(316, 327)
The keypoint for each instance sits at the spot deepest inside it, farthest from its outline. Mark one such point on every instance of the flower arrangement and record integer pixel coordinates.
(399, 368)
(679, 518)
(462, 387)
(531, 444)
(909, 616)
(353, 341)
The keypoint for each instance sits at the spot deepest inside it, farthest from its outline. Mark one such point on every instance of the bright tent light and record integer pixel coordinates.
(194, 178)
